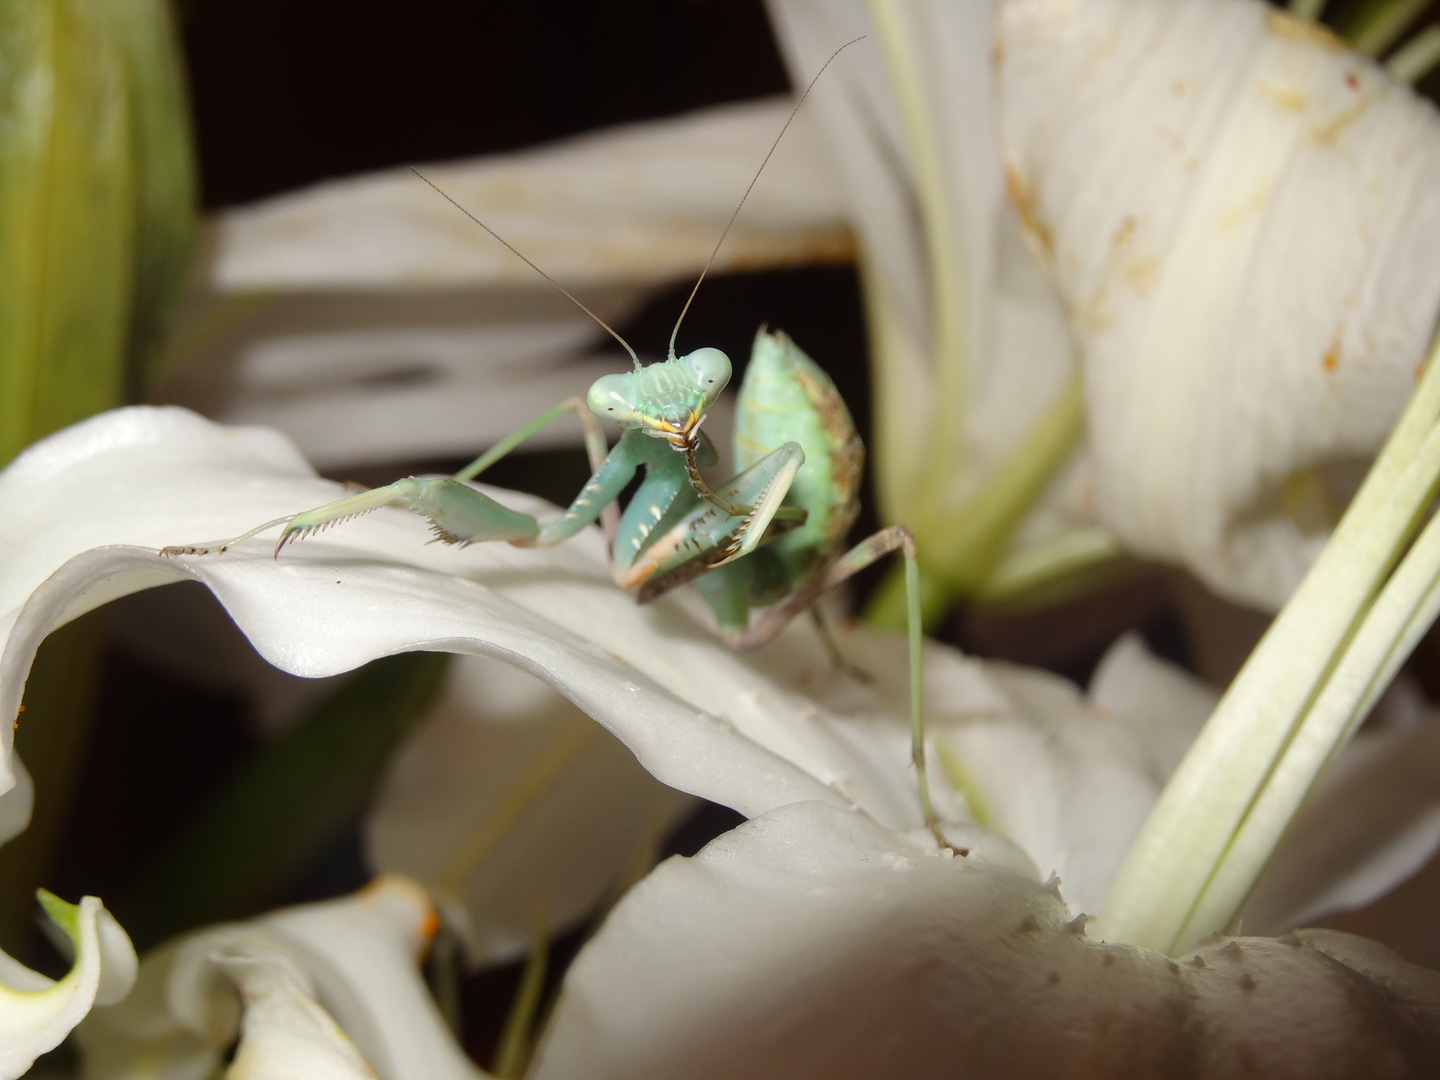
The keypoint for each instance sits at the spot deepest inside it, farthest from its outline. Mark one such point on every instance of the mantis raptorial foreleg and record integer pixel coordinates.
(458, 513)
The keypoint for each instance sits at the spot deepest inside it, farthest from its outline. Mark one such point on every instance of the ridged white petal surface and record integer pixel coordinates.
(1242, 217)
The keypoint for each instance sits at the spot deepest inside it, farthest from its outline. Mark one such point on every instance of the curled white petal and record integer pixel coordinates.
(36, 1013)
(285, 1033)
(697, 716)
(331, 988)
(1069, 777)
(363, 953)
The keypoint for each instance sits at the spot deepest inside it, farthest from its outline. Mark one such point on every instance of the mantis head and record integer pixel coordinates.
(666, 400)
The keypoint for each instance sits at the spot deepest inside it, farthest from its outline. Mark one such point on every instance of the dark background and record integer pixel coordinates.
(287, 92)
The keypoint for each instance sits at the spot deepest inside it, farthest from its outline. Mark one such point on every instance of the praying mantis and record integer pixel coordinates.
(770, 538)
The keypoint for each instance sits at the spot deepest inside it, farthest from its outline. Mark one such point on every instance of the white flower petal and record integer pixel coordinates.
(16, 804)
(1240, 215)
(696, 716)
(298, 971)
(285, 1032)
(641, 203)
(1069, 777)
(366, 395)
(811, 943)
(363, 952)
(36, 1013)
(1373, 822)
(1018, 352)
(509, 803)
(1162, 705)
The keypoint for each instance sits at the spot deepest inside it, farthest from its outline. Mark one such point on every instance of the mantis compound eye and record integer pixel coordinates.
(615, 398)
(710, 368)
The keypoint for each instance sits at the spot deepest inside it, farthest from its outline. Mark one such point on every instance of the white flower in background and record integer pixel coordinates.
(1240, 218)
(1248, 261)
(819, 762)
(329, 990)
(342, 312)
(516, 809)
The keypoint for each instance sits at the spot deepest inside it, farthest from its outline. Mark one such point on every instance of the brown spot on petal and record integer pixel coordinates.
(1023, 199)
(1053, 978)
(1246, 982)
(1352, 80)
(1028, 925)
(1141, 274)
(1108, 960)
(1125, 230)
(1284, 95)
(1331, 360)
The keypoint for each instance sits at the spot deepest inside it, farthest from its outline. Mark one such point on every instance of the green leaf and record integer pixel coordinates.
(67, 187)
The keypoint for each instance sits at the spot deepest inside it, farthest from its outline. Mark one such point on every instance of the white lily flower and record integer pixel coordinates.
(1247, 259)
(1237, 213)
(324, 990)
(820, 761)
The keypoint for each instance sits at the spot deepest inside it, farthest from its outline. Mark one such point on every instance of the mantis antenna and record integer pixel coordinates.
(608, 328)
(768, 154)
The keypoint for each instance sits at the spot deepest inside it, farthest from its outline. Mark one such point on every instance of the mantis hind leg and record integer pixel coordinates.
(882, 543)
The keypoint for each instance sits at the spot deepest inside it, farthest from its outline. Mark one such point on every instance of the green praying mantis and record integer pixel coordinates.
(769, 539)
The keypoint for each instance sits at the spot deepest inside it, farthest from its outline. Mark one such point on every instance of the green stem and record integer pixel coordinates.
(905, 65)
(959, 550)
(1293, 705)
(513, 1053)
(1381, 23)
(1416, 58)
